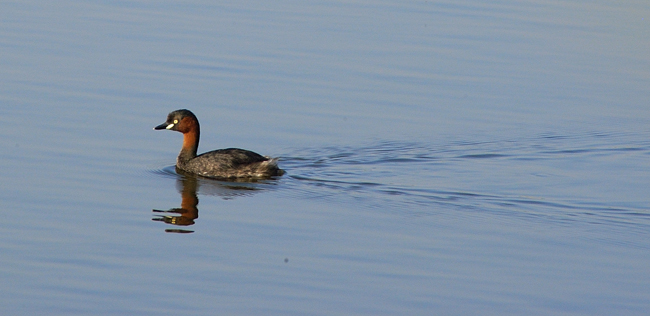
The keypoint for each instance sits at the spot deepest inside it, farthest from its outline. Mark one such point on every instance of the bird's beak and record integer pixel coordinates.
(164, 126)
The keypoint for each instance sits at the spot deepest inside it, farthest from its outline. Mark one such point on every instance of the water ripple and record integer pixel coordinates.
(551, 177)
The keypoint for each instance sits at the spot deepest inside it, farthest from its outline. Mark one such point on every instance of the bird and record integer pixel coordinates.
(228, 164)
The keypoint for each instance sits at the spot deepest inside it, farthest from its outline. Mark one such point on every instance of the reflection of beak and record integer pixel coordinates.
(179, 231)
(164, 126)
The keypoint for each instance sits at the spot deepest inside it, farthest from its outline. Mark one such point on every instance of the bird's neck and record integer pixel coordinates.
(190, 143)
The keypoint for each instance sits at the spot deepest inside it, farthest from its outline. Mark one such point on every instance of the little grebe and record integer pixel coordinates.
(228, 163)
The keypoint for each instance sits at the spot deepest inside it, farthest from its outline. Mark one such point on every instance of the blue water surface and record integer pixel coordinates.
(442, 158)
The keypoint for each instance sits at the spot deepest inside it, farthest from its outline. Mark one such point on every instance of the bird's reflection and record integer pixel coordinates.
(188, 185)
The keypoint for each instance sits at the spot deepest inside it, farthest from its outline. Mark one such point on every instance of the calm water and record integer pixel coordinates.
(442, 158)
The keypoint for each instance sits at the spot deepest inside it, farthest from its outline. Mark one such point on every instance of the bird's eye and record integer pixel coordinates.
(175, 121)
